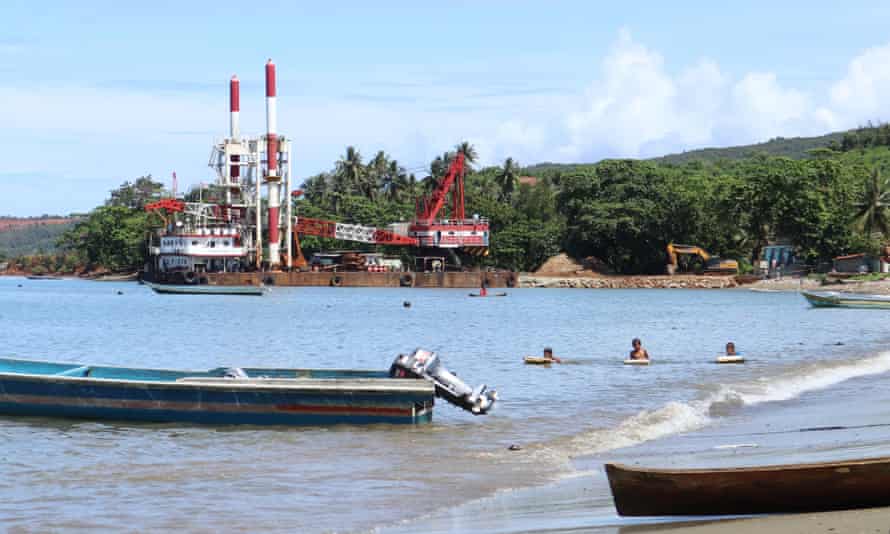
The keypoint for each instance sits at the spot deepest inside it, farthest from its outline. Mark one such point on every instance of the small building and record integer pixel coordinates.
(4, 265)
(776, 258)
(861, 263)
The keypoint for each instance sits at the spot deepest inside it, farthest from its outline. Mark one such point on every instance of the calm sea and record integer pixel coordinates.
(84, 475)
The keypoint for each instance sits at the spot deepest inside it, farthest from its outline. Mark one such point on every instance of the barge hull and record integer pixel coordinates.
(465, 280)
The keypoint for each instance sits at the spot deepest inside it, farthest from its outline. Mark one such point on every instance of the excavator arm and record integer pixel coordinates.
(713, 264)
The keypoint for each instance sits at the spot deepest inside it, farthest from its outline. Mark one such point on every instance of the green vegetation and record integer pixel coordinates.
(114, 236)
(829, 199)
(870, 277)
(625, 212)
(32, 239)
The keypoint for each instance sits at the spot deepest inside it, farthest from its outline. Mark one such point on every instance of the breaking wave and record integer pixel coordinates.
(679, 417)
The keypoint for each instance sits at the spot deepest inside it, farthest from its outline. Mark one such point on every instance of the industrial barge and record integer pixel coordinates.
(231, 396)
(243, 237)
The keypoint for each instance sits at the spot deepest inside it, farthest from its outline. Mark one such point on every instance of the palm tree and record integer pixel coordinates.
(469, 152)
(316, 188)
(439, 166)
(394, 181)
(375, 175)
(872, 215)
(350, 171)
(507, 178)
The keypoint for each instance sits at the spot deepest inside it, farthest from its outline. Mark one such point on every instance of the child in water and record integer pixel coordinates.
(548, 354)
(638, 352)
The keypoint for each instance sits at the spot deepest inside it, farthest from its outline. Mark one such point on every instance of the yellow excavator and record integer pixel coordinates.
(713, 264)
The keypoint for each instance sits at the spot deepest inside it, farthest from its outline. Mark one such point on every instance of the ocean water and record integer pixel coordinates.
(87, 475)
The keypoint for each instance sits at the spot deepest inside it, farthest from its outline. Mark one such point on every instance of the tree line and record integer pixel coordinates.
(622, 212)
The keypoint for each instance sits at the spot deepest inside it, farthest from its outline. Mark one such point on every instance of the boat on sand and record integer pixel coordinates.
(836, 299)
(793, 488)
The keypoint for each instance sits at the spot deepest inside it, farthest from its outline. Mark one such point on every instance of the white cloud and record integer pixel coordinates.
(633, 106)
(638, 109)
(862, 95)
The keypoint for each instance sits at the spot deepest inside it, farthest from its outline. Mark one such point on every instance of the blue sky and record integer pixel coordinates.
(95, 93)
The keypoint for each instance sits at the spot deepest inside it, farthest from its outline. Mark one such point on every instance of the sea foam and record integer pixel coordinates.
(678, 417)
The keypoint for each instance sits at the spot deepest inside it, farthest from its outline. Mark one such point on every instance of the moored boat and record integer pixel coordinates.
(205, 289)
(43, 277)
(835, 299)
(790, 488)
(256, 396)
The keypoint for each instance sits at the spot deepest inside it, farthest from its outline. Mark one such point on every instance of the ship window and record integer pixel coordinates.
(195, 243)
(212, 243)
(225, 243)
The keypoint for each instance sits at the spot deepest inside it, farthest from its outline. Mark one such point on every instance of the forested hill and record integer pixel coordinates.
(31, 235)
(789, 147)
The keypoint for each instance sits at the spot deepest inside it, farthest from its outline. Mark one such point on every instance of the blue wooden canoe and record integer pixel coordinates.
(225, 396)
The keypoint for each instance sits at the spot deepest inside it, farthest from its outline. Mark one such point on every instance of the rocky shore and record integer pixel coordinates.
(630, 282)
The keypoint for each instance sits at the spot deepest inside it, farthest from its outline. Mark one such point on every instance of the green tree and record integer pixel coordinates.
(508, 178)
(137, 194)
(872, 216)
(469, 152)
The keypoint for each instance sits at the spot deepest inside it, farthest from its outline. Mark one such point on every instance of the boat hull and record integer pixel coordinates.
(175, 397)
(758, 490)
(831, 299)
(168, 289)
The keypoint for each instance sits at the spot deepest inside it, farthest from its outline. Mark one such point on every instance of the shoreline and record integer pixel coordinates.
(763, 433)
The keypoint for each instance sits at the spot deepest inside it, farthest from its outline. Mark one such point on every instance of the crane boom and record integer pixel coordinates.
(350, 232)
(431, 207)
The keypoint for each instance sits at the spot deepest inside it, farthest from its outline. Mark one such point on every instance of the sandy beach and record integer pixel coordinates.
(875, 520)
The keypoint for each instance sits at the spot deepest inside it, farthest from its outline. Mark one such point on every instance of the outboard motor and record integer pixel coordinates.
(425, 364)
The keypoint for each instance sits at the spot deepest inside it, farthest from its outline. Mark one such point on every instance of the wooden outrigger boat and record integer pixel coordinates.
(790, 488)
(835, 299)
(255, 396)
(204, 289)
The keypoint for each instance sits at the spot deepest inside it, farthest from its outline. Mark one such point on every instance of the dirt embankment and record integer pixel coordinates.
(563, 271)
(16, 223)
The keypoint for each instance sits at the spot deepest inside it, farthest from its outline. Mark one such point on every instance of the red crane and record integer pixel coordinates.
(424, 231)
(456, 232)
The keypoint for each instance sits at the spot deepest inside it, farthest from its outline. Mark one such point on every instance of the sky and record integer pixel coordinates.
(95, 93)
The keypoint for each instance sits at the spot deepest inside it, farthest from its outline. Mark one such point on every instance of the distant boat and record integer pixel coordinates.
(42, 277)
(835, 299)
(489, 295)
(793, 488)
(204, 289)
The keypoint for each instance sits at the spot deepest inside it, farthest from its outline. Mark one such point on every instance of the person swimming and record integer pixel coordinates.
(638, 352)
(548, 355)
(730, 349)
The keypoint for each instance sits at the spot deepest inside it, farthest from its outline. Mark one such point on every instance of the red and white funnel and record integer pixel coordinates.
(272, 173)
(235, 123)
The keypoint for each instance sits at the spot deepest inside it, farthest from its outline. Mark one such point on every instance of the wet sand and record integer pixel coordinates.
(875, 520)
